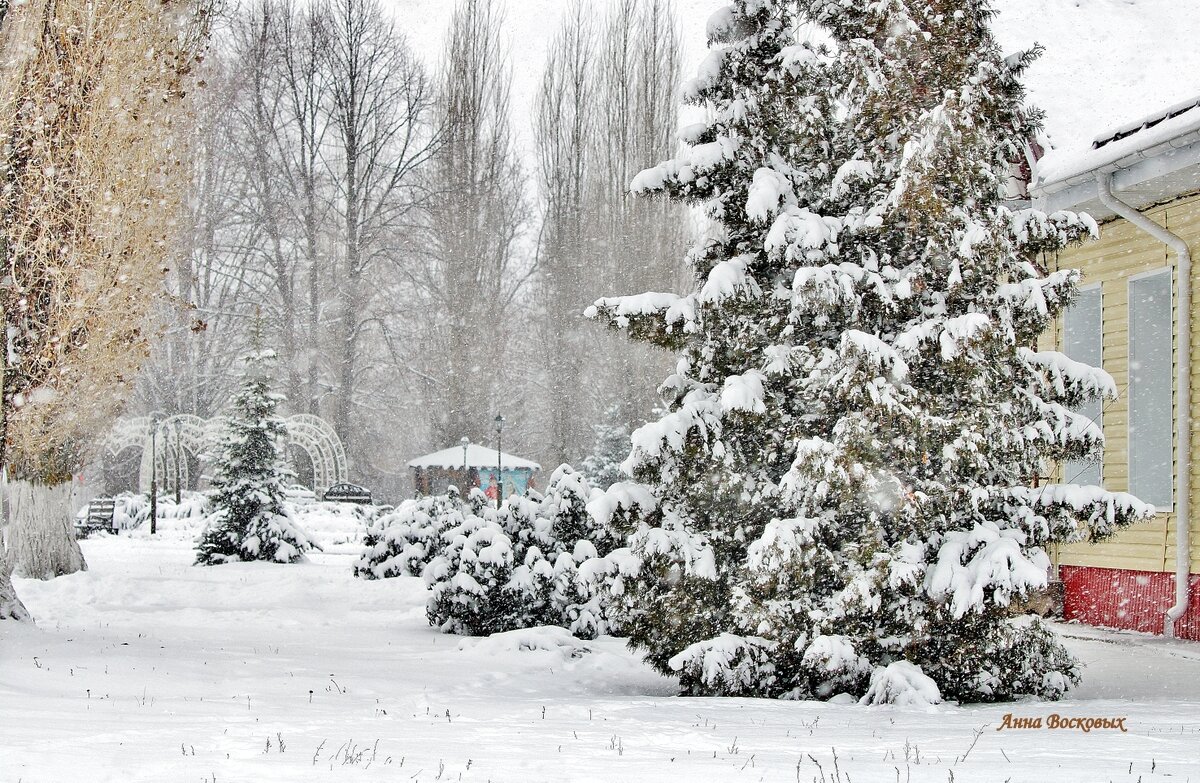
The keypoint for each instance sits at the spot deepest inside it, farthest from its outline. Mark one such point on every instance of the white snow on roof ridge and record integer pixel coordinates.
(1119, 132)
(477, 457)
(1063, 167)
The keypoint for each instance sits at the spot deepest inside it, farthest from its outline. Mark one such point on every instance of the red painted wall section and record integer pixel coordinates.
(1131, 600)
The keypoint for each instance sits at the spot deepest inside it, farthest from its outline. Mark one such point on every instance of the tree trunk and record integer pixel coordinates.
(11, 607)
(41, 533)
(17, 34)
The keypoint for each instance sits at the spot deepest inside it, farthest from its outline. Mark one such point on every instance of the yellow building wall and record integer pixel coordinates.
(1122, 252)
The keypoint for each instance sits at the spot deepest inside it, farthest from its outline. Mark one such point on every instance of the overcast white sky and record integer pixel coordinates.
(1107, 61)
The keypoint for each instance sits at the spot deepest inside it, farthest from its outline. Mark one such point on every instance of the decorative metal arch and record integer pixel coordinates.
(319, 440)
(177, 436)
(194, 435)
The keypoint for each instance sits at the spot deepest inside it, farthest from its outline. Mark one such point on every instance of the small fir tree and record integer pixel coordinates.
(609, 450)
(249, 519)
(841, 496)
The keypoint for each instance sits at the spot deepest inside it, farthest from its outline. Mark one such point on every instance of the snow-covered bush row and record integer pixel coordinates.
(132, 510)
(537, 560)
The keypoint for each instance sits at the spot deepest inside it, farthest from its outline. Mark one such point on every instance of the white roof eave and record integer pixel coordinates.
(1143, 176)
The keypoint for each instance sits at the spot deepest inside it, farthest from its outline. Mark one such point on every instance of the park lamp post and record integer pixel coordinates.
(178, 427)
(499, 422)
(466, 480)
(153, 475)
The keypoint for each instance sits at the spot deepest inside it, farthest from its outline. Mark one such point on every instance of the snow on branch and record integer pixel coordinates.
(782, 540)
(707, 75)
(877, 353)
(698, 160)
(1099, 512)
(699, 413)
(626, 498)
(952, 335)
(744, 392)
(768, 189)
(802, 235)
(848, 172)
(1067, 379)
(688, 550)
(726, 279)
(1034, 230)
(662, 319)
(987, 559)
(818, 290)
(721, 24)
(1036, 294)
(815, 469)
(1055, 424)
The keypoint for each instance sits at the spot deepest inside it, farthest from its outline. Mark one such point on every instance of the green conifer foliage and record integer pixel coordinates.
(842, 495)
(249, 519)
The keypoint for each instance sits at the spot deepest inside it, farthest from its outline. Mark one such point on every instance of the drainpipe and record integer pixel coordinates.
(1183, 405)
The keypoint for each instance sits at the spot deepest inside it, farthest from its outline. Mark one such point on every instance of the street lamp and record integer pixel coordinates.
(466, 481)
(499, 422)
(153, 475)
(178, 426)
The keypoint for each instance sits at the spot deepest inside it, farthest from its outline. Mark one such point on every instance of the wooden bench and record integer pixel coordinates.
(100, 516)
(348, 493)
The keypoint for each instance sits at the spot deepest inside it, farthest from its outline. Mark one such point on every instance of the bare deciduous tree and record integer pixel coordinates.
(565, 135)
(605, 110)
(94, 139)
(472, 275)
(380, 114)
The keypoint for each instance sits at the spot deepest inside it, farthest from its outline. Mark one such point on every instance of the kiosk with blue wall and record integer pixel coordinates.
(472, 465)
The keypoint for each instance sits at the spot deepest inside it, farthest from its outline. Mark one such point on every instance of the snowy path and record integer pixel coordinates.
(148, 669)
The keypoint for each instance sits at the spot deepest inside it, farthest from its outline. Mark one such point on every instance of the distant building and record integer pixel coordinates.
(472, 465)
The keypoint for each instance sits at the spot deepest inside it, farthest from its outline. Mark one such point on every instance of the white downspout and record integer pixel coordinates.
(1183, 397)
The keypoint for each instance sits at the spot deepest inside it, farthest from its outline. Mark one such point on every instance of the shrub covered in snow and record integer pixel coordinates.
(903, 683)
(537, 560)
(402, 542)
(472, 592)
(249, 519)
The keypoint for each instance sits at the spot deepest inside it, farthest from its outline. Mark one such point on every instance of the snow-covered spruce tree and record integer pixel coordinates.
(609, 450)
(249, 519)
(842, 496)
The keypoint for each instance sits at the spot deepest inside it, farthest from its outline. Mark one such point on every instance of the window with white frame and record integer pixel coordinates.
(1083, 341)
(1151, 438)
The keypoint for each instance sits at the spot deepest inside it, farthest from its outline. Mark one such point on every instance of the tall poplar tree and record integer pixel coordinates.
(842, 495)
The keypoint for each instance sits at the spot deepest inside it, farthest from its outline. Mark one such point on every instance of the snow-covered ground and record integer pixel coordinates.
(146, 668)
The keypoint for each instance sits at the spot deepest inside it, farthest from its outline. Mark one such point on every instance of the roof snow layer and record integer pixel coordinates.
(477, 457)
